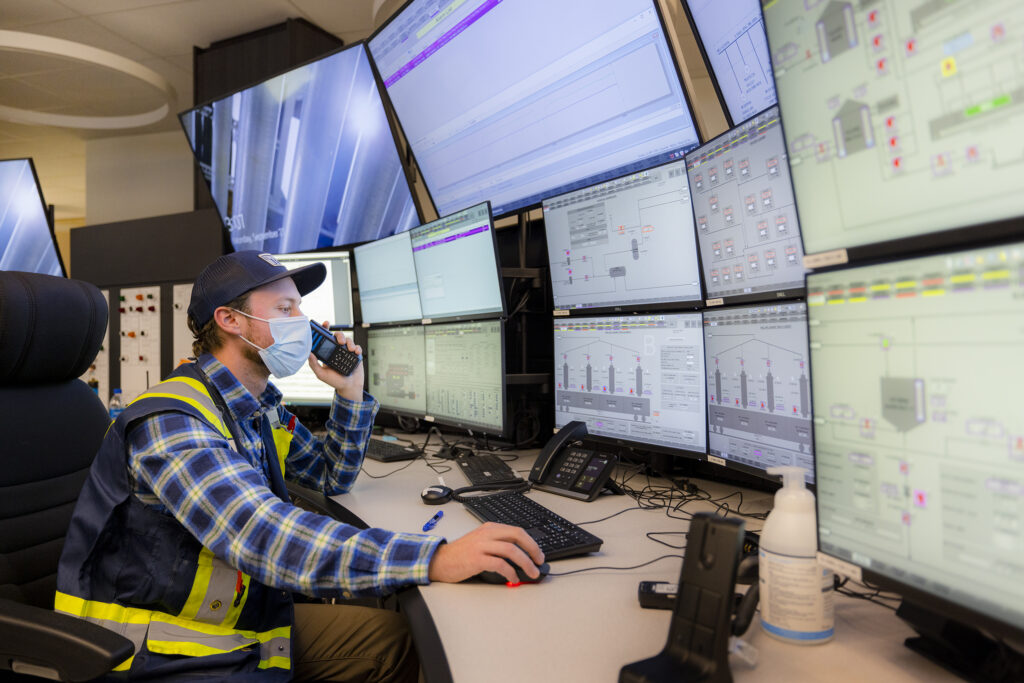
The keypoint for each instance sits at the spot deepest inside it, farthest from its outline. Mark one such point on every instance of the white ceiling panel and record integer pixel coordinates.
(87, 31)
(20, 13)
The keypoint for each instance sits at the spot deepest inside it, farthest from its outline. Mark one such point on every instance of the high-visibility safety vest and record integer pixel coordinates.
(139, 572)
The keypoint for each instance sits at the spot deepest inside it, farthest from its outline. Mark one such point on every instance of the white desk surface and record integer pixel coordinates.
(584, 627)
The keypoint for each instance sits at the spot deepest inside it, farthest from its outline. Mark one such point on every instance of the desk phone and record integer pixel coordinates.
(565, 467)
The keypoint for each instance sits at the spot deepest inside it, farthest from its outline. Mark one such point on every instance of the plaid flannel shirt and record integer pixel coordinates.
(184, 467)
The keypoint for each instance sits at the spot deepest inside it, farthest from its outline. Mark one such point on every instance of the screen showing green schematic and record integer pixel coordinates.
(918, 434)
(902, 118)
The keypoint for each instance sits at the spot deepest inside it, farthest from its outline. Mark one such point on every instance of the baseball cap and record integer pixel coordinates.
(232, 275)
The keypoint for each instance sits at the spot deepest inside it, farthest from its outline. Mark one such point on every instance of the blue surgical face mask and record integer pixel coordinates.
(293, 341)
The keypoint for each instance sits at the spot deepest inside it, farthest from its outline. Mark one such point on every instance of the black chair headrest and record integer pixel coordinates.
(50, 327)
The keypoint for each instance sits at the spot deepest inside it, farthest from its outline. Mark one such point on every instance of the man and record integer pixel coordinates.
(184, 538)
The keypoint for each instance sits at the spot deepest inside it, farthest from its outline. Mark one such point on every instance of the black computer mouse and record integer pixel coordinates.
(436, 494)
(495, 577)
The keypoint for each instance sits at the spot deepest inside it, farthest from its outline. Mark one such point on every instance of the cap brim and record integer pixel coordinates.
(307, 278)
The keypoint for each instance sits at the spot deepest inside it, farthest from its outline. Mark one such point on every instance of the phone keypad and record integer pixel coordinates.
(574, 461)
(343, 360)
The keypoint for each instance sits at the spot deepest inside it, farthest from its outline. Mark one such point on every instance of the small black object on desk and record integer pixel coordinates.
(523, 577)
(436, 494)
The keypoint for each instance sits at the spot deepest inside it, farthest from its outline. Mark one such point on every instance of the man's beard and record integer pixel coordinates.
(253, 355)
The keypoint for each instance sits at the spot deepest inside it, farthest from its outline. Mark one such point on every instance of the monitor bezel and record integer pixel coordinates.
(947, 238)
(642, 446)
(526, 208)
(402, 162)
(750, 297)
(915, 595)
(462, 424)
(385, 323)
(403, 412)
(46, 211)
(466, 317)
(738, 466)
(630, 309)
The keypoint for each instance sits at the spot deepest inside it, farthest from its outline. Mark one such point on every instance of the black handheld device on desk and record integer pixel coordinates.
(332, 354)
(566, 468)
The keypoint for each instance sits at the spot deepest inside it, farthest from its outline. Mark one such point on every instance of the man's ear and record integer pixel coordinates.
(228, 320)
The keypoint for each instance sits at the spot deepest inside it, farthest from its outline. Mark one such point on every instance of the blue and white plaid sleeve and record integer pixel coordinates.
(224, 502)
(331, 465)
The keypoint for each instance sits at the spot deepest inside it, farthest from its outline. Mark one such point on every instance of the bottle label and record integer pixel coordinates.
(796, 598)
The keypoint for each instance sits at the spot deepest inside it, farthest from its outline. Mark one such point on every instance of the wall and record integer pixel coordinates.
(137, 176)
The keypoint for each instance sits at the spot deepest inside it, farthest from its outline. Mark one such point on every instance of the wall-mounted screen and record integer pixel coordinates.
(732, 35)
(304, 160)
(26, 239)
(513, 102)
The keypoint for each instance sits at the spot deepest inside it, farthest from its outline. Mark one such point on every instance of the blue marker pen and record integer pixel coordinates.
(432, 522)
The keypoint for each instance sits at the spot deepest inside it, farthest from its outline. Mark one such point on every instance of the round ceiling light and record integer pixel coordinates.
(32, 42)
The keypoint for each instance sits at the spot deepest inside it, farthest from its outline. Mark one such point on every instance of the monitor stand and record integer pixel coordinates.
(959, 648)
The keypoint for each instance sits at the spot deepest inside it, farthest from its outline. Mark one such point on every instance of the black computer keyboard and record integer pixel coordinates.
(390, 451)
(556, 536)
(485, 469)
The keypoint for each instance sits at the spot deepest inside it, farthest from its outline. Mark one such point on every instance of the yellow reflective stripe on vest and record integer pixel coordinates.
(168, 634)
(214, 593)
(282, 439)
(192, 392)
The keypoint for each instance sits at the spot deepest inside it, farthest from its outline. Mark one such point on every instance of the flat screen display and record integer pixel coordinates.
(305, 160)
(759, 392)
(397, 368)
(901, 118)
(26, 241)
(624, 242)
(388, 291)
(732, 35)
(918, 435)
(466, 375)
(457, 265)
(513, 102)
(638, 379)
(747, 223)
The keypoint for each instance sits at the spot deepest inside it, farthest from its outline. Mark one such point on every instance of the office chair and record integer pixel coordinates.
(51, 426)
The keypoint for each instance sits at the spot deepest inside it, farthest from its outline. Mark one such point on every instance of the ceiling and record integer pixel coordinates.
(159, 35)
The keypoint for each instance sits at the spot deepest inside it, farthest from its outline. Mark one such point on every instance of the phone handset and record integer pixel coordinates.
(573, 431)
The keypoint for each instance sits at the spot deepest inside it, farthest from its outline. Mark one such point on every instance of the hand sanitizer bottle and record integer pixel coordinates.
(796, 593)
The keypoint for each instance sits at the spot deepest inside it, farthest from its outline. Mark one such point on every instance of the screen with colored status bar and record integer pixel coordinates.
(513, 102)
(636, 379)
(456, 262)
(747, 227)
(916, 368)
(901, 118)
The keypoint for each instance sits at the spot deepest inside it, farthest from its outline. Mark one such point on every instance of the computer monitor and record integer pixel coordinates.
(457, 266)
(303, 388)
(513, 102)
(731, 35)
(901, 121)
(747, 225)
(396, 368)
(386, 271)
(758, 387)
(331, 301)
(919, 444)
(26, 238)
(305, 160)
(635, 379)
(465, 365)
(626, 243)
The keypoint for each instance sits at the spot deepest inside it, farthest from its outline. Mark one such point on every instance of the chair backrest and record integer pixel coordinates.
(51, 422)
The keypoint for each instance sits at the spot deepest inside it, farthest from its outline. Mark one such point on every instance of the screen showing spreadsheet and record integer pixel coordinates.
(388, 291)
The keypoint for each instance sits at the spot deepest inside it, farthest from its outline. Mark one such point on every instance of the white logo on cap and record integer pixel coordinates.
(269, 258)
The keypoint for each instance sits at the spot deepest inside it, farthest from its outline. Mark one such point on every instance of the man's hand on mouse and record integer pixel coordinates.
(486, 549)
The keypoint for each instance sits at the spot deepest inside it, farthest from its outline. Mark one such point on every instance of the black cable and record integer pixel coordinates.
(616, 514)
(619, 569)
(651, 535)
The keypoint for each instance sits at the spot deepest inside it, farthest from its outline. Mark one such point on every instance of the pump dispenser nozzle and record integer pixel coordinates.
(793, 493)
